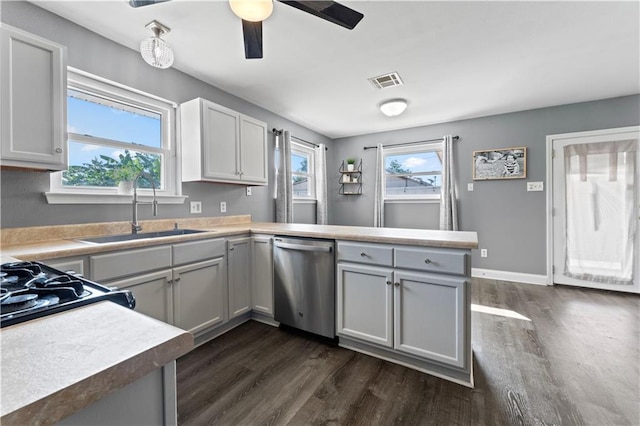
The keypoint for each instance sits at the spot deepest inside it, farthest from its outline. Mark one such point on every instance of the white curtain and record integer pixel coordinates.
(284, 189)
(321, 184)
(378, 200)
(448, 208)
(600, 205)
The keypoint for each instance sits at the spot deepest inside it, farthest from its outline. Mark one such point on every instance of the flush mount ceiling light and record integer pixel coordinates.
(154, 50)
(393, 107)
(252, 10)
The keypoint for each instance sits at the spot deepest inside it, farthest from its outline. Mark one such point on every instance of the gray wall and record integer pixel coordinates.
(21, 192)
(510, 221)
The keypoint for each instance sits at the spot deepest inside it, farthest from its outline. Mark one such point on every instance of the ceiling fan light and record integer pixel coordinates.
(393, 107)
(154, 50)
(252, 10)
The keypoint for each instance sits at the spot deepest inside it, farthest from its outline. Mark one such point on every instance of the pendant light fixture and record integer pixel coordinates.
(393, 107)
(252, 10)
(154, 50)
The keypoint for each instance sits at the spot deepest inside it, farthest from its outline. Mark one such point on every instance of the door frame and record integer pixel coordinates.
(549, 164)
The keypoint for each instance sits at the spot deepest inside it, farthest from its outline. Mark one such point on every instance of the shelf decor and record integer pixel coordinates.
(350, 177)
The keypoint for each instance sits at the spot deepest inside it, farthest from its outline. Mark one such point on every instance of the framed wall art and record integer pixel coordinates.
(500, 163)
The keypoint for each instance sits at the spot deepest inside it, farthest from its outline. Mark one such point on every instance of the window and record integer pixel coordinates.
(302, 173)
(413, 172)
(114, 133)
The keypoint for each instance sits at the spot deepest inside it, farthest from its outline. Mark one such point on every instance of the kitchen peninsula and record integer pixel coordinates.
(405, 268)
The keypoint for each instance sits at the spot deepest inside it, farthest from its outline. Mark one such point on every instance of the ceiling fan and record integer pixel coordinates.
(252, 26)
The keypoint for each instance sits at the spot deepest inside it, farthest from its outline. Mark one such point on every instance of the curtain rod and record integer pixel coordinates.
(279, 132)
(455, 138)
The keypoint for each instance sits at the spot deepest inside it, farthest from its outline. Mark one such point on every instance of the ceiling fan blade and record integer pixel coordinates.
(140, 3)
(252, 32)
(330, 11)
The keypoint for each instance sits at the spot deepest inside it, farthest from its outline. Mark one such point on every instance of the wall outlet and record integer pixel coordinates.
(195, 207)
(223, 206)
(483, 252)
(535, 186)
(470, 187)
(248, 191)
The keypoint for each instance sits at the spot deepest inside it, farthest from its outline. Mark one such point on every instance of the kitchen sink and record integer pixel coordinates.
(140, 236)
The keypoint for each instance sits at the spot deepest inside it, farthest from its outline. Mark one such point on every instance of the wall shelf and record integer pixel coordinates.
(350, 180)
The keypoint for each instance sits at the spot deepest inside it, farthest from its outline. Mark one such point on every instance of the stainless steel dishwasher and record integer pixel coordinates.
(304, 284)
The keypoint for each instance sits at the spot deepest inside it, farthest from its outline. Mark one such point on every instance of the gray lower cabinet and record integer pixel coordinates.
(77, 265)
(414, 309)
(150, 400)
(262, 270)
(429, 317)
(365, 303)
(239, 273)
(154, 296)
(199, 295)
(182, 284)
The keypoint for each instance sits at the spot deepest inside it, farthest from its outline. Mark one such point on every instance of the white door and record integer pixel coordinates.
(595, 209)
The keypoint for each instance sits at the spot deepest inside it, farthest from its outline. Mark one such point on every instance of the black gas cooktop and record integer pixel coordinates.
(30, 290)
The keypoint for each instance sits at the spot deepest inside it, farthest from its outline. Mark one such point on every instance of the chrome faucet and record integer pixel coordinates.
(135, 226)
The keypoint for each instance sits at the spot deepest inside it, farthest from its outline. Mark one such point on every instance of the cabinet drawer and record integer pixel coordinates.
(432, 260)
(130, 262)
(375, 254)
(197, 251)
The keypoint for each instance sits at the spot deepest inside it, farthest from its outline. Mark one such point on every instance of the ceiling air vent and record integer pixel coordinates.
(386, 80)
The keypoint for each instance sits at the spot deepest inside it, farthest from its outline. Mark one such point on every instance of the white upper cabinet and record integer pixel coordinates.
(222, 145)
(33, 106)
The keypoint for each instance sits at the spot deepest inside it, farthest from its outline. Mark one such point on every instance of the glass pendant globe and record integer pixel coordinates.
(252, 10)
(156, 52)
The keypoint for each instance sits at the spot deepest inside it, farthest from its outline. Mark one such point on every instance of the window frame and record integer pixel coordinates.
(305, 150)
(410, 149)
(112, 92)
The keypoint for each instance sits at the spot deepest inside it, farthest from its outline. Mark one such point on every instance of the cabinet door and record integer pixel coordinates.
(152, 292)
(76, 265)
(239, 262)
(199, 296)
(364, 303)
(253, 150)
(429, 316)
(262, 282)
(34, 102)
(220, 141)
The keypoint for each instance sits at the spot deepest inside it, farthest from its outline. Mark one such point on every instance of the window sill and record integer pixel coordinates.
(304, 201)
(412, 201)
(79, 198)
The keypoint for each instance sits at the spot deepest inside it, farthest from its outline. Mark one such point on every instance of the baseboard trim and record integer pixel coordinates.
(518, 277)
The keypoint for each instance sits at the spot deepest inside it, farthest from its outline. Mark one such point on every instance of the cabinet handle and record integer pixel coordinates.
(59, 150)
(389, 282)
(231, 248)
(363, 254)
(397, 284)
(427, 261)
(177, 280)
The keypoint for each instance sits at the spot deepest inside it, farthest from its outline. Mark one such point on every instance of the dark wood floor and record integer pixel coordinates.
(572, 357)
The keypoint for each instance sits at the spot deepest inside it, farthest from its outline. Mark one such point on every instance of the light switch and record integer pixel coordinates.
(470, 187)
(535, 186)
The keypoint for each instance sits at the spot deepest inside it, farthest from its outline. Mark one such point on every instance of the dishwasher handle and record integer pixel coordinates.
(303, 247)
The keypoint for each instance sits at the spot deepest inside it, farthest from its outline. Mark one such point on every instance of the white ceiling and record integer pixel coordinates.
(458, 59)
